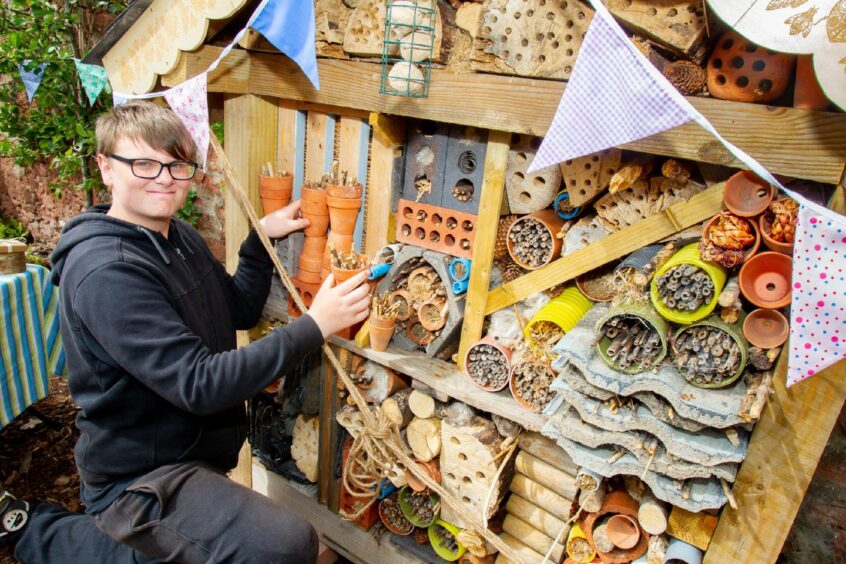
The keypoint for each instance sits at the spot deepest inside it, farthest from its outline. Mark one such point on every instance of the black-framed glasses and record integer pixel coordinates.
(150, 169)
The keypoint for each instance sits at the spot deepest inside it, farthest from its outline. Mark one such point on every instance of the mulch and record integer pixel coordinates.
(36, 457)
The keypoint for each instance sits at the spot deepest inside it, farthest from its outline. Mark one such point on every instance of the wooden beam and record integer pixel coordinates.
(613, 246)
(250, 131)
(522, 105)
(445, 378)
(490, 203)
(387, 142)
(783, 453)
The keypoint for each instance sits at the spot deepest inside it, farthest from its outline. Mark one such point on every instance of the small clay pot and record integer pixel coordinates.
(314, 247)
(431, 468)
(275, 192)
(506, 355)
(343, 214)
(308, 276)
(512, 385)
(432, 313)
(381, 333)
(746, 194)
(623, 531)
(391, 526)
(404, 312)
(765, 280)
(310, 263)
(807, 93)
(616, 502)
(550, 220)
(342, 274)
(766, 328)
(416, 333)
(744, 72)
(769, 242)
(749, 251)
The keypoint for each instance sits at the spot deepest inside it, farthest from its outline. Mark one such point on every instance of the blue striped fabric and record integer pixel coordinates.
(30, 342)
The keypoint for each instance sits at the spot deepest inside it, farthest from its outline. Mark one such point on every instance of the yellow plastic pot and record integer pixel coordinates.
(565, 311)
(437, 541)
(576, 532)
(689, 255)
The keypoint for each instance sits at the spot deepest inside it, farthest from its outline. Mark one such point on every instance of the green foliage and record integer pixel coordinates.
(58, 127)
(12, 229)
(217, 129)
(189, 211)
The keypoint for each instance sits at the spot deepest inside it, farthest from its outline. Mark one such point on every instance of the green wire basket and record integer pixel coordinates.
(408, 47)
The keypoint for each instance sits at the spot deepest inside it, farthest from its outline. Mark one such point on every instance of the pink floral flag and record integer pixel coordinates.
(190, 102)
(818, 307)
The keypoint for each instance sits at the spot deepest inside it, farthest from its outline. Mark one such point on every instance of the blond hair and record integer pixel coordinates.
(157, 126)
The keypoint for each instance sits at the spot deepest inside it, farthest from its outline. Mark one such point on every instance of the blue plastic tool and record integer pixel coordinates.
(378, 270)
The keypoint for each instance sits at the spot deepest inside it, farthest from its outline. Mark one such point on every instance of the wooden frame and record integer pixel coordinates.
(790, 438)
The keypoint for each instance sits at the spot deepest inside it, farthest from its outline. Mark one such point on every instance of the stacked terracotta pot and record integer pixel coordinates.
(344, 203)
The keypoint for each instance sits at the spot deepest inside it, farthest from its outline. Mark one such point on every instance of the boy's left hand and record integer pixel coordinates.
(282, 222)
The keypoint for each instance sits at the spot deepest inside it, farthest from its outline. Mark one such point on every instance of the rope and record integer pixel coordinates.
(373, 426)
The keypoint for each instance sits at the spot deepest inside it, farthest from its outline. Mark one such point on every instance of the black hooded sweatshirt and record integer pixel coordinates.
(148, 324)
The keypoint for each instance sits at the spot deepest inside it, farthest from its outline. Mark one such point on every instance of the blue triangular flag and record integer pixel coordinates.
(93, 79)
(289, 26)
(31, 79)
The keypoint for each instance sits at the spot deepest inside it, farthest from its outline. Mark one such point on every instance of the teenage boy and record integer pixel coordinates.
(148, 324)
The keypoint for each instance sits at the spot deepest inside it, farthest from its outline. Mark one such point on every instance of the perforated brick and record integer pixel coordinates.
(435, 228)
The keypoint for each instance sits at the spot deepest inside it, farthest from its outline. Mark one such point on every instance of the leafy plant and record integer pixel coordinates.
(189, 211)
(58, 126)
(12, 229)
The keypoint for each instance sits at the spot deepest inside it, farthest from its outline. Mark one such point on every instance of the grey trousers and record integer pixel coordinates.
(178, 513)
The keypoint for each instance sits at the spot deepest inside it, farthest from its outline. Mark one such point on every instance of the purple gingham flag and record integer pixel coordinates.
(596, 113)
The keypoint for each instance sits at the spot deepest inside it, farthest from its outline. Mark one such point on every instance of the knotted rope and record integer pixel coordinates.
(374, 428)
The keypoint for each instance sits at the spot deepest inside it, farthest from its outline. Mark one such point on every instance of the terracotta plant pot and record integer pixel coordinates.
(512, 386)
(765, 280)
(769, 242)
(406, 310)
(623, 531)
(342, 274)
(506, 361)
(766, 328)
(744, 72)
(314, 247)
(749, 251)
(416, 333)
(807, 93)
(431, 468)
(310, 263)
(343, 214)
(746, 194)
(407, 526)
(616, 502)
(275, 192)
(308, 276)
(552, 224)
(381, 333)
(315, 210)
(432, 313)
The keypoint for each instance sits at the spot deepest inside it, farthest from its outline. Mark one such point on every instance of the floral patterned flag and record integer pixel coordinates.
(93, 79)
(190, 103)
(818, 307)
(31, 78)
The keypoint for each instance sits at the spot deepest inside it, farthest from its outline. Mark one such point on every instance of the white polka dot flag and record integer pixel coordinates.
(595, 114)
(190, 103)
(818, 303)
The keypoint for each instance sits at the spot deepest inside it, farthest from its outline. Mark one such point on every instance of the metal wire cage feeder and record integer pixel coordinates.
(407, 48)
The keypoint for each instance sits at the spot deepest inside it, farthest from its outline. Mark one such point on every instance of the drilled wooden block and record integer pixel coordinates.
(438, 229)
(468, 467)
(526, 192)
(676, 24)
(643, 199)
(365, 31)
(587, 177)
(539, 38)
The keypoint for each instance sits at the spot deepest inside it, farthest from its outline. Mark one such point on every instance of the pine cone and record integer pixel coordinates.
(728, 258)
(782, 215)
(688, 77)
(510, 270)
(731, 232)
(501, 249)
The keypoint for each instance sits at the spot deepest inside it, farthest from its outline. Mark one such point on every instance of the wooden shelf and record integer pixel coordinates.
(815, 151)
(342, 536)
(446, 378)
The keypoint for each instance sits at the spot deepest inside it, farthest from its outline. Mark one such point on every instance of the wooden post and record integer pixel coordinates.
(250, 131)
(387, 141)
(783, 453)
(490, 204)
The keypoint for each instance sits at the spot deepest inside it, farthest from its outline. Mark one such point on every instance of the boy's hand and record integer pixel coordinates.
(339, 307)
(282, 222)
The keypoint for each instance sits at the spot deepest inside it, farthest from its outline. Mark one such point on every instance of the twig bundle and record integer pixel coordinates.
(633, 342)
(381, 307)
(685, 287)
(347, 261)
(706, 355)
(531, 242)
(267, 170)
(338, 178)
(487, 366)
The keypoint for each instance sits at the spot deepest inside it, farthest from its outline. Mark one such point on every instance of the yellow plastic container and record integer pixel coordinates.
(689, 255)
(565, 311)
(576, 533)
(437, 541)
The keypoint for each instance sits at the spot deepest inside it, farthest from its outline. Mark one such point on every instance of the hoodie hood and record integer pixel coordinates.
(95, 223)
